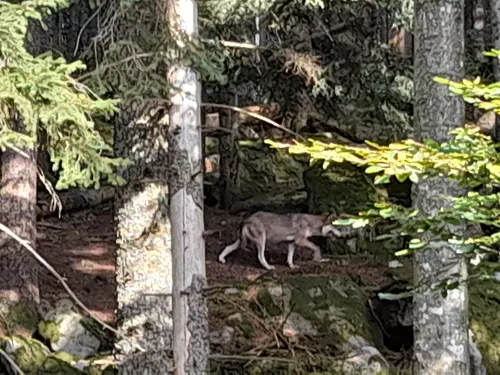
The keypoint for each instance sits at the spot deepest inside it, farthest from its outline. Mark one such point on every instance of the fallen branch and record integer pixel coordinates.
(255, 115)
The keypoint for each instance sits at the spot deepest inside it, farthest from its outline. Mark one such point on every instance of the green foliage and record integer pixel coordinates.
(469, 157)
(136, 52)
(41, 90)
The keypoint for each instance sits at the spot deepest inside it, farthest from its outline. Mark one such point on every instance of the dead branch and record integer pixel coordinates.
(255, 115)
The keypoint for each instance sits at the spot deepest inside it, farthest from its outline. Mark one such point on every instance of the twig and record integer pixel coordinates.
(11, 362)
(27, 246)
(55, 202)
(85, 25)
(255, 115)
(46, 224)
(249, 358)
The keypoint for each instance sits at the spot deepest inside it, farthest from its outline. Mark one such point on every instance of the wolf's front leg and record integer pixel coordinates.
(304, 242)
(289, 258)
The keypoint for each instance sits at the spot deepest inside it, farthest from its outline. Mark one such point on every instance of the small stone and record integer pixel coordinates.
(298, 325)
(395, 264)
(352, 244)
(224, 336)
(237, 317)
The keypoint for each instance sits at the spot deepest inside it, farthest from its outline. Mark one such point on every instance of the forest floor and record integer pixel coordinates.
(81, 247)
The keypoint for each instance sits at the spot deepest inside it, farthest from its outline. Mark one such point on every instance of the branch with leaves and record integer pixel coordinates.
(469, 157)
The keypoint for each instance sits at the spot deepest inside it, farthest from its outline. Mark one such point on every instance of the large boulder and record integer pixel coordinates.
(341, 188)
(268, 177)
(300, 325)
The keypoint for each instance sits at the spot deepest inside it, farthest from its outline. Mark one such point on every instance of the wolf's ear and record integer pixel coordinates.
(329, 218)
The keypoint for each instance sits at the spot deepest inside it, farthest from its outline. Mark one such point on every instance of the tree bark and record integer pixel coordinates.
(441, 323)
(190, 340)
(18, 268)
(144, 261)
(228, 151)
(493, 28)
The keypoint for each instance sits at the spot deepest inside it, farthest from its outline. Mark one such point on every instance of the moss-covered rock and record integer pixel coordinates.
(57, 366)
(69, 331)
(484, 305)
(62, 363)
(268, 177)
(342, 188)
(330, 310)
(327, 315)
(365, 362)
(28, 353)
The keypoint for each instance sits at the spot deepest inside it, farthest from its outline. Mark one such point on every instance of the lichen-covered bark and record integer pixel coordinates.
(18, 268)
(143, 257)
(493, 31)
(441, 323)
(190, 312)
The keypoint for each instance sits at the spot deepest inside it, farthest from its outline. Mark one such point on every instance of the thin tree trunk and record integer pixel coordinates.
(492, 41)
(493, 36)
(144, 261)
(441, 323)
(18, 269)
(190, 342)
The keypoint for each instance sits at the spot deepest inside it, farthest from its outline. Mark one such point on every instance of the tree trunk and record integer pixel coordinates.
(190, 342)
(493, 27)
(18, 268)
(441, 323)
(144, 261)
(228, 151)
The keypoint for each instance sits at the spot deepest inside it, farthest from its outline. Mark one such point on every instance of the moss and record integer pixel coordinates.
(20, 320)
(266, 301)
(484, 305)
(56, 366)
(302, 365)
(66, 357)
(314, 296)
(49, 330)
(336, 307)
(30, 353)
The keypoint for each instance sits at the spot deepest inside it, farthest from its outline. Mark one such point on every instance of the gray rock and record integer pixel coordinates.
(68, 331)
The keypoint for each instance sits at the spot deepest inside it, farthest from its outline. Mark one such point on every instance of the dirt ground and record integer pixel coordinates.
(81, 247)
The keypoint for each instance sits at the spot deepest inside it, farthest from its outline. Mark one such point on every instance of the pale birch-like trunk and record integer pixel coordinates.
(190, 314)
(440, 323)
